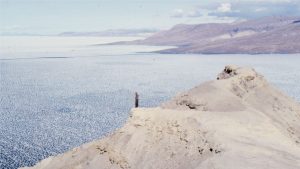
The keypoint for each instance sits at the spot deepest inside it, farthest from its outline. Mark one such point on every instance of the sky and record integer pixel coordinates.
(56, 16)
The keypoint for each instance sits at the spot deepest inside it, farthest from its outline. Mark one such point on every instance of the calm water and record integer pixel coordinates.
(57, 93)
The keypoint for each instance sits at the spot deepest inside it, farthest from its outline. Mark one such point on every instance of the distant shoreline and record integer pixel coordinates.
(270, 35)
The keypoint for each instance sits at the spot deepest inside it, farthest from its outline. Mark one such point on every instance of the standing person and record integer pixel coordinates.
(136, 100)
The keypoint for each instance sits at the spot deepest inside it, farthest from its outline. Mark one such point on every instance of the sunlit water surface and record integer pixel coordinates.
(59, 92)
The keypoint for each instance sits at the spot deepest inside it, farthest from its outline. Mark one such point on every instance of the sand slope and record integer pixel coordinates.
(236, 122)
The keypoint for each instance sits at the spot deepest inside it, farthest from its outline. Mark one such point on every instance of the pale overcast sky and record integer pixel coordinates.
(55, 16)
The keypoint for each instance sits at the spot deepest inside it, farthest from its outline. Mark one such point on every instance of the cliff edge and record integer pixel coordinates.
(236, 121)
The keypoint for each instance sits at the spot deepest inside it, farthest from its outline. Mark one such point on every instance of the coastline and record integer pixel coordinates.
(238, 121)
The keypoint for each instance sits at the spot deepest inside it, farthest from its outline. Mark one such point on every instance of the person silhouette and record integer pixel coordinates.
(136, 99)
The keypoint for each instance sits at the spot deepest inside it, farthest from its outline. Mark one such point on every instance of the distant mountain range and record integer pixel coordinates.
(260, 36)
(113, 32)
